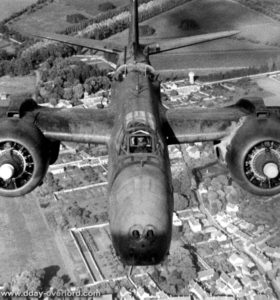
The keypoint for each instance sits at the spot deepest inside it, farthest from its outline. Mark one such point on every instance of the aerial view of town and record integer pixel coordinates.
(55, 241)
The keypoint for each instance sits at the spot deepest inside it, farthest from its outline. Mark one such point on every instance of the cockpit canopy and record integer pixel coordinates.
(140, 141)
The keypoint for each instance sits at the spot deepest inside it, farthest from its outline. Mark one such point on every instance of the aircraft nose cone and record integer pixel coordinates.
(144, 246)
(138, 233)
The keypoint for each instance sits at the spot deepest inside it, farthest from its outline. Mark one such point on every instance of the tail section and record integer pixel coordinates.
(133, 39)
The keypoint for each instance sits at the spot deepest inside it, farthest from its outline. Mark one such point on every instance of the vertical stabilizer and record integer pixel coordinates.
(133, 39)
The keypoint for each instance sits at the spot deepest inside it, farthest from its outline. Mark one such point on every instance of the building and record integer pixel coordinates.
(273, 252)
(141, 294)
(206, 274)
(259, 258)
(4, 97)
(177, 224)
(124, 294)
(232, 208)
(236, 260)
(231, 228)
(223, 220)
(193, 152)
(191, 77)
(218, 236)
(235, 286)
(194, 224)
(197, 290)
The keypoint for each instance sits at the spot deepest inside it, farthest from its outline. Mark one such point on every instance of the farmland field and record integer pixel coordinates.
(7, 7)
(273, 86)
(17, 85)
(25, 240)
(213, 16)
(53, 17)
(89, 6)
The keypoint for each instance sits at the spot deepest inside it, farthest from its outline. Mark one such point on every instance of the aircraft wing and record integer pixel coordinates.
(84, 125)
(104, 46)
(188, 125)
(170, 44)
(76, 124)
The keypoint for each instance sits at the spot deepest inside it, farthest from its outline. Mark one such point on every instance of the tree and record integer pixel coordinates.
(78, 91)
(106, 6)
(146, 30)
(27, 281)
(57, 283)
(189, 24)
(75, 18)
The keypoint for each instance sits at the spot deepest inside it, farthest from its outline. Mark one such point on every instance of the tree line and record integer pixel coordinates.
(115, 25)
(66, 79)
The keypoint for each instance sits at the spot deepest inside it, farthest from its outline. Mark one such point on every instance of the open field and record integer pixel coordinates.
(254, 45)
(7, 7)
(89, 6)
(261, 212)
(95, 198)
(25, 240)
(273, 86)
(217, 15)
(53, 16)
(17, 85)
(209, 62)
(268, 7)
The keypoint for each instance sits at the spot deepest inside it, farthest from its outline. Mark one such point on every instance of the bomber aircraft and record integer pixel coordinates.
(137, 130)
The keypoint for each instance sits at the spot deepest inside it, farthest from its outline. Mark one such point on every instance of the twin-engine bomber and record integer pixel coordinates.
(137, 130)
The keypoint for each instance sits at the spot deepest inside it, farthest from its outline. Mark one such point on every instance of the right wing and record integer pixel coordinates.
(104, 46)
(174, 43)
(188, 125)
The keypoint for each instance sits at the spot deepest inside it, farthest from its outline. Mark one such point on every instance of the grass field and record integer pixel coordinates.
(17, 85)
(95, 198)
(25, 240)
(7, 7)
(256, 32)
(53, 17)
(89, 6)
(273, 86)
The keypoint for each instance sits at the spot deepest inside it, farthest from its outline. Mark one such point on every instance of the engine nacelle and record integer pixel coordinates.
(253, 155)
(24, 157)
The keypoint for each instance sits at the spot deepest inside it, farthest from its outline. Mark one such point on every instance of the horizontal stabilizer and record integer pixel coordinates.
(104, 46)
(170, 44)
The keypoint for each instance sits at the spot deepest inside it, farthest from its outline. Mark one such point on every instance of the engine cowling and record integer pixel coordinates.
(253, 155)
(24, 157)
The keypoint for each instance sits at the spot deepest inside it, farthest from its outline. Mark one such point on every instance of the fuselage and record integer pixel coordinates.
(140, 185)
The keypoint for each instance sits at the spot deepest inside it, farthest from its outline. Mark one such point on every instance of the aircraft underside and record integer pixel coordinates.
(137, 130)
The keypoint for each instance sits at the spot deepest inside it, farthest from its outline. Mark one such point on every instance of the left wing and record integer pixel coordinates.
(76, 124)
(72, 124)
(104, 46)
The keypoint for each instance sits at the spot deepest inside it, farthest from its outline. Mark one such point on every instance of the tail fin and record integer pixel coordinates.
(133, 39)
